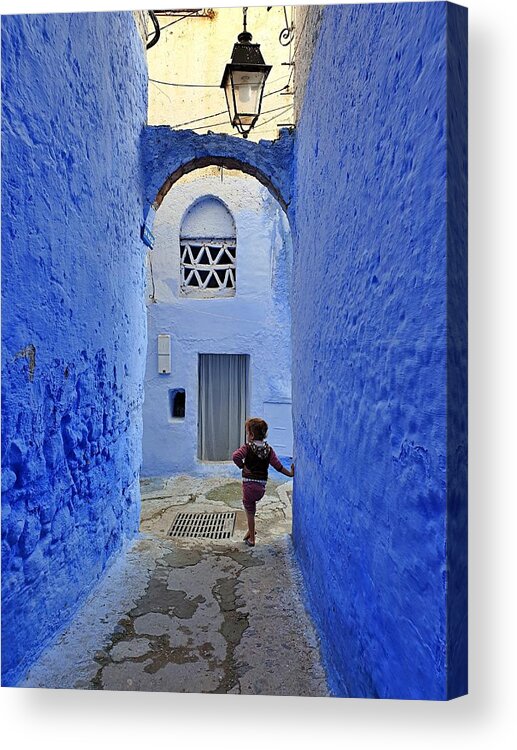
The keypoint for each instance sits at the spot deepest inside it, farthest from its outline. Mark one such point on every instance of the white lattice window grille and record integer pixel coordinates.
(208, 267)
(208, 249)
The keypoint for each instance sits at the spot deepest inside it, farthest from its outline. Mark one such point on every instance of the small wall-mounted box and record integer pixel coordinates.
(164, 353)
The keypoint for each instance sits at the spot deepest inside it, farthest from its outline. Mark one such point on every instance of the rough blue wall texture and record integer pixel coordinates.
(73, 328)
(167, 154)
(372, 323)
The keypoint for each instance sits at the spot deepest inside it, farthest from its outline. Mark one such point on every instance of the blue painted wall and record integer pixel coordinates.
(372, 334)
(379, 327)
(167, 154)
(73, 325)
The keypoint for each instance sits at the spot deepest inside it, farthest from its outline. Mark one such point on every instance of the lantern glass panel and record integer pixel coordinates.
(248, 89)
(229, 98)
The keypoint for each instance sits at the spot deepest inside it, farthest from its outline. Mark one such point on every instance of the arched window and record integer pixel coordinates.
(207, 250)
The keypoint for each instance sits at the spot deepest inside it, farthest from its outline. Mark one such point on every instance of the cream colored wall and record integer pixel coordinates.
(195, 50)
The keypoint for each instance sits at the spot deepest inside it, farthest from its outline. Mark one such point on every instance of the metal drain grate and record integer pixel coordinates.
(207, 525)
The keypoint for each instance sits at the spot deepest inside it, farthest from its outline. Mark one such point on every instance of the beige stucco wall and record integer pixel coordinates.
(195, 50)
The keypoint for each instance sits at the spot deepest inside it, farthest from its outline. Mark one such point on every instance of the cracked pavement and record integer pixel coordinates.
(194, 615)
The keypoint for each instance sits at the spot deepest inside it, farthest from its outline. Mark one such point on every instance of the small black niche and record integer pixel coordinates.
(177, 403)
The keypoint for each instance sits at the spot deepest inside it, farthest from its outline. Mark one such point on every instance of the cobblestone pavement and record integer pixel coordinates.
(194, 615)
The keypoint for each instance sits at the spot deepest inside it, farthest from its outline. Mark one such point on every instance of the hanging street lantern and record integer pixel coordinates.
(243, 82)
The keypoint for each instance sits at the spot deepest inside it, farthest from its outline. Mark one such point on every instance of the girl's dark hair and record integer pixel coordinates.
(257, 427)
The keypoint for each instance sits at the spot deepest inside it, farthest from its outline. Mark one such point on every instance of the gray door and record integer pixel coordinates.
(223, 404)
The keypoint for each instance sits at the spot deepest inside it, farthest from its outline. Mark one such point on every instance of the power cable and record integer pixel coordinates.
(293, 59)
(273, 118)
(187, 85)
(225, 122)
(187, 15)
(206, 85)
(199, 119)
(216, 114)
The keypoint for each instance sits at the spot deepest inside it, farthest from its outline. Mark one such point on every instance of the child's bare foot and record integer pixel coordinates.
(249, 542)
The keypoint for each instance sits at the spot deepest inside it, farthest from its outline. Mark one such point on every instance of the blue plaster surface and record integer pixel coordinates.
(167, 152)
(73, 326)
(373, 253)
(379, 263)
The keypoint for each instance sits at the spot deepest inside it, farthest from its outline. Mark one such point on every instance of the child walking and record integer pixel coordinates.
(254, 458)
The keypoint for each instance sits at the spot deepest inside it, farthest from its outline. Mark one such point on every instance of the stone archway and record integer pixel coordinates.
(169, 154)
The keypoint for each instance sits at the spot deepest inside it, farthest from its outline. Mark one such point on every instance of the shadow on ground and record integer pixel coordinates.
(194, 615)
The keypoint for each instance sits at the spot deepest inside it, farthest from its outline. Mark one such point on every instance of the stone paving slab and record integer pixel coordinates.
(194, 615)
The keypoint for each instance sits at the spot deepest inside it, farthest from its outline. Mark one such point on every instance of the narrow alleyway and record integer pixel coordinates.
(194, 615)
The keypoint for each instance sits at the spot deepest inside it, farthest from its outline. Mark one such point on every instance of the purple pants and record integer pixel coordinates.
(252, 492)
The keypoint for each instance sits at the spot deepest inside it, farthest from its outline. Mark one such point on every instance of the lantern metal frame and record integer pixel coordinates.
(246, 57)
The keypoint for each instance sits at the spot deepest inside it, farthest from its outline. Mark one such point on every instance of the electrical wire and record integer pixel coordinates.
(158, 29)
(289, 106)
(210, 86)
(225, 122)
(293, 59)
(187, 15)
(199, 119)
(162, 92)
(301, 34)
(216, 114)
(272, 118)
(188, 85)
(207, 85)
